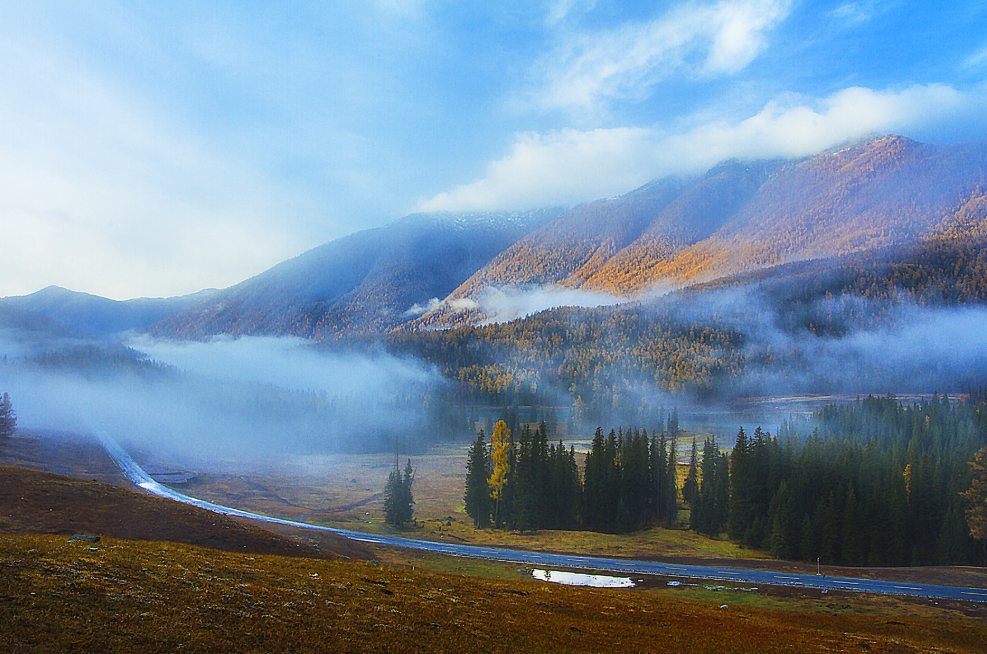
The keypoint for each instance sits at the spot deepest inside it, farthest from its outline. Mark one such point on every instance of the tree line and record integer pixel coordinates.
(526, 483)
(874, 483)
(877, 482)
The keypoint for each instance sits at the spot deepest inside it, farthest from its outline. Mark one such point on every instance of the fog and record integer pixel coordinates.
(254, 400)
(288, 362)
(793, 357)
(249, 400)
(859, 346)
(504, 303)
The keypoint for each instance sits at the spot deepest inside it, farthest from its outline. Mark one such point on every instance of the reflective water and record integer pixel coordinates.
(579, 579)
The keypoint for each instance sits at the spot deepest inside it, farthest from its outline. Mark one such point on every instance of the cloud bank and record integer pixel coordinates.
(572, 166)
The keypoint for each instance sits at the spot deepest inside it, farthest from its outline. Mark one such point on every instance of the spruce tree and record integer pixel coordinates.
(398, 499)
(690, 488)
(8, 419)
(477, 496)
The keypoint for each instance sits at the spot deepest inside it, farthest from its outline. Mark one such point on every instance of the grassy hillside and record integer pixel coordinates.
(33, 502)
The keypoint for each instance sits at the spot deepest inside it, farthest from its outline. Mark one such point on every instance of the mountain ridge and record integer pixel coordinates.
(742, 216)
(437, 270)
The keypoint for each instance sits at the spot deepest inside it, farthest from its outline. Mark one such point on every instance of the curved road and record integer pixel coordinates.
(137, 475)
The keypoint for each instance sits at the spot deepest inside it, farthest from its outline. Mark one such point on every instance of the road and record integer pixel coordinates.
(136, 474)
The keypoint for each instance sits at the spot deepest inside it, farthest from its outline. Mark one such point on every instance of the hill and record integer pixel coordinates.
(741, 216)
(435, 270)
(367, 282)
(99, 316)
(34, 502)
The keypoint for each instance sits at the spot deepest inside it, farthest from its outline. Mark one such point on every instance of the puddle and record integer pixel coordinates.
(578, 579)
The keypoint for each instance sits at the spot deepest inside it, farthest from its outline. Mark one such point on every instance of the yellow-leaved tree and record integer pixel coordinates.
(500, 454)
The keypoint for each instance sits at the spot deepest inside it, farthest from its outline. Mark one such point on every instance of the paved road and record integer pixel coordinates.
(619, 566)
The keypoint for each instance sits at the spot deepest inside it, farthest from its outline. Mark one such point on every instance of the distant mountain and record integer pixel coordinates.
(99, 316)
(741, 216)
(28, 323)
(433, 270)
(366, 282)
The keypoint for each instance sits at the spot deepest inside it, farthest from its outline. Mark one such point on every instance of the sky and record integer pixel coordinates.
(158, 148)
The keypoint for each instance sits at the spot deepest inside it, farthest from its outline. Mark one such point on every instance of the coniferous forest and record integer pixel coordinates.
(875, 483)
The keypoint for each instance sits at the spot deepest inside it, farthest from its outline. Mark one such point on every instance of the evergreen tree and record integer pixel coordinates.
(721, 490)
(673, 422)
(740, 499)
(690, 489)
(477, 495)
(593, 483)
(398, 499)
(8, 419)
(671, 484)
(976, 497)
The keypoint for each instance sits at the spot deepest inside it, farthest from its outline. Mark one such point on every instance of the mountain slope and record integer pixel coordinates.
(100, 316)
(741, 216)
(367, 282)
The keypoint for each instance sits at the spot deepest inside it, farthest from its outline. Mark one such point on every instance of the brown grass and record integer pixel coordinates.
(60, 596)
(33, 502)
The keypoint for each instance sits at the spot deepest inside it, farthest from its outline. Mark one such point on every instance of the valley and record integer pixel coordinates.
(814, 326)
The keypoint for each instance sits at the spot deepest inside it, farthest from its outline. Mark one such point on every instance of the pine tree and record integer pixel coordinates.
(8, 419)
(398, 499)
(671, 484)
(673, 422)
(740, 500)
(477, 495)
(976, 497)
(690, 489)
(593, 483)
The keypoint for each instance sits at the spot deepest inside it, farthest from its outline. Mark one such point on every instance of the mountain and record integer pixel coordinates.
(367, 282)
(99, 316)
(436, 270)
(23, 333)
(741, 216)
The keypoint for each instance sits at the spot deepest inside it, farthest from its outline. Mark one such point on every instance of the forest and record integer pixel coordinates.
(714, 340)
(877, 482)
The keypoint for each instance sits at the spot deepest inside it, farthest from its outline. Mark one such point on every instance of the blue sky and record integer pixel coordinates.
(157, 148)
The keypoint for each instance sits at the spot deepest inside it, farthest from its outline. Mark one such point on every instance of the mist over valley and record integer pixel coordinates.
(856, 271)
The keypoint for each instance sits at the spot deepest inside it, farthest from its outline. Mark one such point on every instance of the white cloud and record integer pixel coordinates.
(709, 39)
(853, 13)
(977, 60)
(502, 304)
(574, 166)
(558, 168)
(418, 309)
(559, 10)
(464, 304)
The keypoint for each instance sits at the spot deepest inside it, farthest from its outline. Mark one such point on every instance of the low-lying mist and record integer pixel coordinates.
(245, 400)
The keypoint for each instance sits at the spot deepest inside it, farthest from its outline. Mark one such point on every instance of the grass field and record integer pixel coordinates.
(62, 596)
(345, 491)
